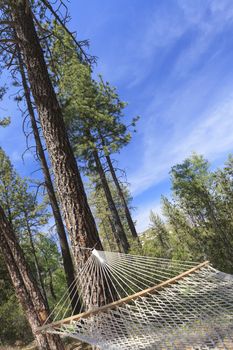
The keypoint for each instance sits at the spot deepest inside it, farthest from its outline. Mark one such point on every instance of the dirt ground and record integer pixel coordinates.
(71, 346)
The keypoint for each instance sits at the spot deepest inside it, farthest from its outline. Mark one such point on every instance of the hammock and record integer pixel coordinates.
(148, 303)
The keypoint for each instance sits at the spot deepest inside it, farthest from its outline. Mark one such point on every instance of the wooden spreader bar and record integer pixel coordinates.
(122, 301)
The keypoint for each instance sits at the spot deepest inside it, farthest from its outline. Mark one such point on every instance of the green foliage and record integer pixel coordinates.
(92, 109)
(29, 220)
(93, 112)
(102, 214)
(198, 220)
(50, 261)
(14, 325)
(5, 121)
(20, 205)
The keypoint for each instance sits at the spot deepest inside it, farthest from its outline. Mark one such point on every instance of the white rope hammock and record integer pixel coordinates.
(148, 303)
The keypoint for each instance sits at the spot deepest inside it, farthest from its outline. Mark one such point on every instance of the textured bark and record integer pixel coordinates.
(65, 250)
(38, 272)
(122, 198)
(113, 210)
(78, 217)
(115, 234)
(26, 289)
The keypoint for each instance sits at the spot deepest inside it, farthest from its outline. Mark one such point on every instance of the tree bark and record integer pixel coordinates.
(52, 291)
(26, 289)
(39, 276)
(113, 210)
(78, 217)
(65, 250)
(116, 238)
(108, 239)
(122, 198)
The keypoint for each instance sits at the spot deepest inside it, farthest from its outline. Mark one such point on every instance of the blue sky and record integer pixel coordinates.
(172, 62)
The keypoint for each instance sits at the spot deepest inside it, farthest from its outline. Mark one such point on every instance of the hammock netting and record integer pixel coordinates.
(148, 303)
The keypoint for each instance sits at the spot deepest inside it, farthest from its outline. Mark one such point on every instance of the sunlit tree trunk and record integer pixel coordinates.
(115, 234)
(112, 207)
(65, 250)
(33, 250)
(78, 217)
(122, 198)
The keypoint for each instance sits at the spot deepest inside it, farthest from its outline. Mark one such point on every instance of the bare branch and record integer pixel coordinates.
(8, 23)
(77, 43)
(12, 58)
(9, 41)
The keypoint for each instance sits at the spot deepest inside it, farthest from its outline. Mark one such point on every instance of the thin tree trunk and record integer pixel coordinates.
(115, 234)
(26, 289)
(40, 279)
(113, 210)
(79, 220)
(7, 202)
(65, 250)
(106, 233)
(122, 198)
(51, 285)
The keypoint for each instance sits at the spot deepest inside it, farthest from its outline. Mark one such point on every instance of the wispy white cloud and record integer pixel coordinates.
(160, 29)
(209, 135)
(192, 110)
(192, 107)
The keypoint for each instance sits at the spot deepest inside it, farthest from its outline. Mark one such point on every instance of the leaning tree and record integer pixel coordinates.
(19, 22)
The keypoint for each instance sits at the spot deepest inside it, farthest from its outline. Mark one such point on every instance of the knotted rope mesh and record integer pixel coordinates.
(150, 303)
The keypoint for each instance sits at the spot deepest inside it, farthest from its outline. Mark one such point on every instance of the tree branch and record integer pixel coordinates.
(47, 4)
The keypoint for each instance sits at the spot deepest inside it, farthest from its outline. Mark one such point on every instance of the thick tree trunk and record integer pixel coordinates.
(113, 210)
(122, 198)
(26, 289)
(79, 220)
(65, 250)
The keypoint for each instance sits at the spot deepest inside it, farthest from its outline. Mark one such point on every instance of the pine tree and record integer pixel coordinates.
(200, 217)
(93, 114)
(78, 217)
(14, 325)
(66, 254)
(98, 202)
(159, 229)
(23, 212)
(26, 289)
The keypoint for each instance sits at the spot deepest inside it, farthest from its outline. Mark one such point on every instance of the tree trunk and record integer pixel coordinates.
(65, 250)
(38, 272)
(79, 220)
(52, 291)
(115, 234)
(106, 234)
(113, 210)
(122, 198)
(26, 289)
